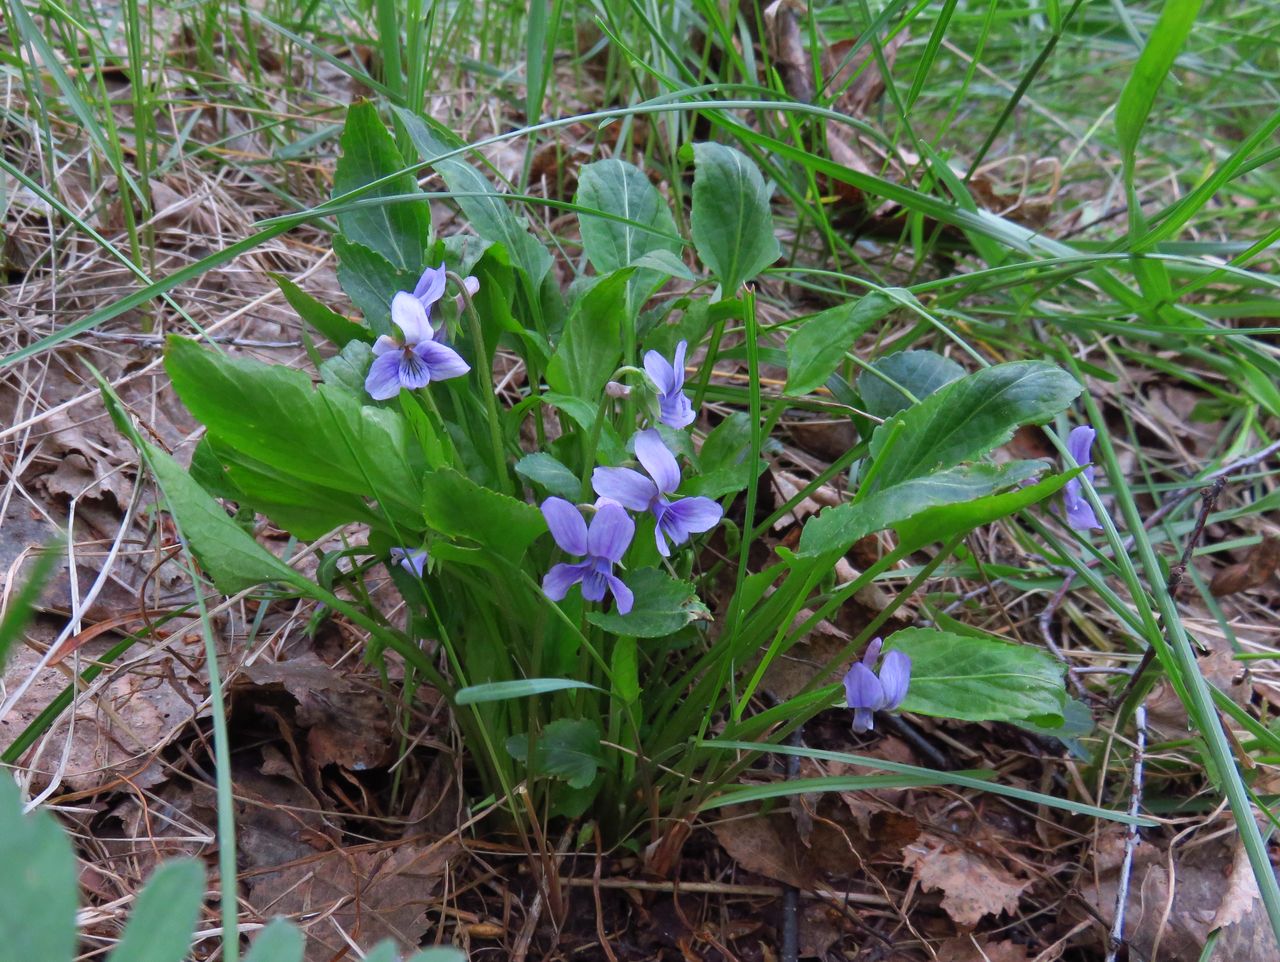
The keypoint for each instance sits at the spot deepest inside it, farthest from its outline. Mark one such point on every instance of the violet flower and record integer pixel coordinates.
(1079, 512)
(678, 519)
(675, 410)
(414, 358)
(603, 544)
(867, 693)
(412, 560)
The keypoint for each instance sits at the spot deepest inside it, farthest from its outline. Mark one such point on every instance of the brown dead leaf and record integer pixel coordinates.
(787, 50)
(1165, 709)
(972, 885)
(369, 894)
(1253, 572)
(766, 845)
(977, 949)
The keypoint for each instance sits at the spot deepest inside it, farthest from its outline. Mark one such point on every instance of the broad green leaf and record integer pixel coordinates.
(455, 505)
(38, 910)
(321, 435)
(820, 342)
(567, 748)
(349, 368)
(920, 372)
(21, 607)
(338, 329)
(662, 607)
(731, 221)
(553, 477)
(488, 212)
(397, 230)
(616, 187)
(1177, 17)
(968, 418)
(943, 521)
(384, 951)
(590, 348)
(520, 688)
(164, 916)
(280, 941)
(371, 281)
(836, 529)
(980, 679)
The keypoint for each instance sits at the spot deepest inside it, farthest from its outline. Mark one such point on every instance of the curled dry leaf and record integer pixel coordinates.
(972, 885)
(1251, 573)
(977, 949)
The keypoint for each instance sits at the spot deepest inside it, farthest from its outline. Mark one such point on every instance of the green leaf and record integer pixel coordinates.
(278, 942)
(836, 529)
(371, 281)
(943, 521)
(439, 953)
(567, 748)
(731, 221)
(968, 418)
(487, 211)
(38, 910)
(662, 607)
(590, 348)
(21, 607)
(553, 477)
(398, 231)
(349, 368)
(164, 917)
(338, 329)
(520, 688)
(980, 679)
(455, 505)
(320, 435)
(820, 342)
(1177, 17)
(384, 951)
(920, 372)
(646, 227)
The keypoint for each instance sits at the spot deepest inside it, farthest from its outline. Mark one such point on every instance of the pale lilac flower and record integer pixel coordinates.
(867, 693)
(412, 560)
(675, 410)
(472, 285)
(678, 519)
(415, 358)
(430, 286)
(1079, 512)
(603, 544)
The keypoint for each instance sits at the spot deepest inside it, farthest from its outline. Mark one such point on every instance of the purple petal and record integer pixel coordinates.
(872, 654)
(660, 372)
(430, 286)
(864, 720)
(1080, 514)
(862, 688)
(677, 367)
(383, 380)
(657, 460)
(412, 560)
(611, 532)
(411, 317)
(442, 362)
(1080, 444)
(384, 344)
(696, 515)
(631, 489)
(557, 582)
(567, 526)
(621, 594)
(660, 536)
(895, 676)
(412, 367)
(595, 580)
(675, 410)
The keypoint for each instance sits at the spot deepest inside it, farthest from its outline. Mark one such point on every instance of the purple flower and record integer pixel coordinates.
(412, 560)
(1079, 512)
(415, 358)
(675, 410)
(603, 544)
(867, 693)
(631, 489)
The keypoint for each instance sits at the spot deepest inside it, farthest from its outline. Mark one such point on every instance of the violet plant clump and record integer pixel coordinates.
(868, 691)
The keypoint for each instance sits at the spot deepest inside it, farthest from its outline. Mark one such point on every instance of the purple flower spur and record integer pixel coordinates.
(677, 519)
(867, 693)
(603, 544)
(1079, 512)
(413, 359)
(674, 407)
(412, 560)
